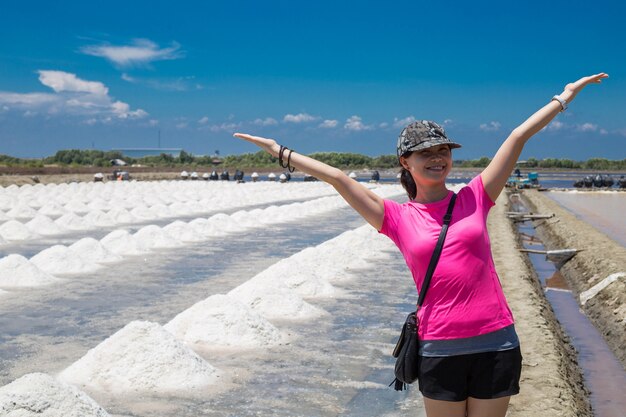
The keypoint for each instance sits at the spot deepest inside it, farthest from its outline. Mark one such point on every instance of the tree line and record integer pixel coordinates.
(261, 159)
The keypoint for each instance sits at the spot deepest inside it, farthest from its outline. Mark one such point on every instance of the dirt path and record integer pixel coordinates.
(551, 381)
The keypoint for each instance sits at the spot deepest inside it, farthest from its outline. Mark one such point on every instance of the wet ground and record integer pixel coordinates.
(605, 211)
(337, 365)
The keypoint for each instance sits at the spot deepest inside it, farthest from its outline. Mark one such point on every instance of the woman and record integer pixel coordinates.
(470, 360)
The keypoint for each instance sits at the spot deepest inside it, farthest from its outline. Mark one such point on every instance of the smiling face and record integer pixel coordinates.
(429, 166)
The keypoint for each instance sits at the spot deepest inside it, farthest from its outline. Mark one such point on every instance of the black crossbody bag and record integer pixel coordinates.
(407, 347)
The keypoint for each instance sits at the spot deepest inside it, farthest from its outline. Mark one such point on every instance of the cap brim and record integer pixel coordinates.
(432, 143)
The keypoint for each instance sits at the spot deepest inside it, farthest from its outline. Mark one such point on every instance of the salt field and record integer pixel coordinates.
(604, 210)
(189, 299)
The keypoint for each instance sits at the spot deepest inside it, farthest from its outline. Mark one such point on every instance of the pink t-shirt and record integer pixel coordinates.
(465, 298)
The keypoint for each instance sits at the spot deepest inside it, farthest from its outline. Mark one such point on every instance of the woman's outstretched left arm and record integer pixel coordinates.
(499, 169)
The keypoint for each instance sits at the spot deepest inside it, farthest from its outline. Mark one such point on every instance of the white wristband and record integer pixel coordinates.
(561, 101)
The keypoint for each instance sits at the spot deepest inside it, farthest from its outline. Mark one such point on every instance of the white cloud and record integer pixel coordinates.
(328, 124)
(122, 110)
(383, 125)
(26, 99)
(203, 120)
(139, 52)
(355, 123)
(153, 122)
(61, 81)
(490, 127)
(73, 96)
(604, 132)
(173, 84)
(182, 125)
(228, 127)
(448, 122)
(587, 127)
(556, 125)
(268, 121)
(400, 123)
(298, 118)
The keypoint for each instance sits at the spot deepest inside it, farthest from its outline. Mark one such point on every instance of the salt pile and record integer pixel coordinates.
(222, 321)
(162, 211)
(14, 230)
(17, 271)
(21, 211)
(59, 259)
(183, 232)
(44, 225)
(77, 206)
(153, 236)
(40, 395)
(120, 242)
(142, 358)
(92, 251)
(99, 218)
(121, 215)
(226, 223)
(73, 222)
(274, 300)
(52, 209)
(144, 213)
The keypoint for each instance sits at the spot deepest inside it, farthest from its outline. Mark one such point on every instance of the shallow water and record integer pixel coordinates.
(603, 374)
(337, 365)
(606, 211)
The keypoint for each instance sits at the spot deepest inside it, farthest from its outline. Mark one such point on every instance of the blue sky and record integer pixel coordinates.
(317, 76)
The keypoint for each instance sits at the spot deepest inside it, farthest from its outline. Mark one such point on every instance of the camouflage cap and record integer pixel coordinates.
(422, 134)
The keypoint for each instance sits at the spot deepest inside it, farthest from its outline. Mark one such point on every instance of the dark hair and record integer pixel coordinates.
(407, 180)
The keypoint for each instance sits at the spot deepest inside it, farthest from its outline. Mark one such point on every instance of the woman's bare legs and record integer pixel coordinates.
(438, 408)
(487, 408)
(472, 407)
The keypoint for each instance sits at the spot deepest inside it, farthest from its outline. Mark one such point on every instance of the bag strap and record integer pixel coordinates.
(437, 252)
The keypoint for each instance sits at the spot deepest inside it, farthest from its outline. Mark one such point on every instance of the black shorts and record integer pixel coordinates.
(479, 375)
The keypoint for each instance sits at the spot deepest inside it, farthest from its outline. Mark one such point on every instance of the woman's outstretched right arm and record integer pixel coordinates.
(367, 203)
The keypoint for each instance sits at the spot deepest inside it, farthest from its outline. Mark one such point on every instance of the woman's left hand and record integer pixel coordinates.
(576, 87)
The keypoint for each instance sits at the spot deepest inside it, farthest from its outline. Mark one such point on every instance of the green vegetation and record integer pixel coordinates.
(261, 159)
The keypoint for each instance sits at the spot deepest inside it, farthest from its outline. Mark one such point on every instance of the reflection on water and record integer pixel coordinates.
(557, 281)
(603, 210)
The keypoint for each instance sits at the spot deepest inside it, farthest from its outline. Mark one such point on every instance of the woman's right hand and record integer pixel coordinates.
(268, 145)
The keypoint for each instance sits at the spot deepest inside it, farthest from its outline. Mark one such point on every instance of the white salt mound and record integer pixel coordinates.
(73, 222)
(121, 242)
(183, 231)
(121, 215)
(40, 395)
(222, 321)
(99, 218)
(17, 271)
(52, 209)
(274, 300)
(153, 236)
(142, 358)
(92, 251)
(14, 230)
(59, 259)
(22, 211)
(44, 225)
